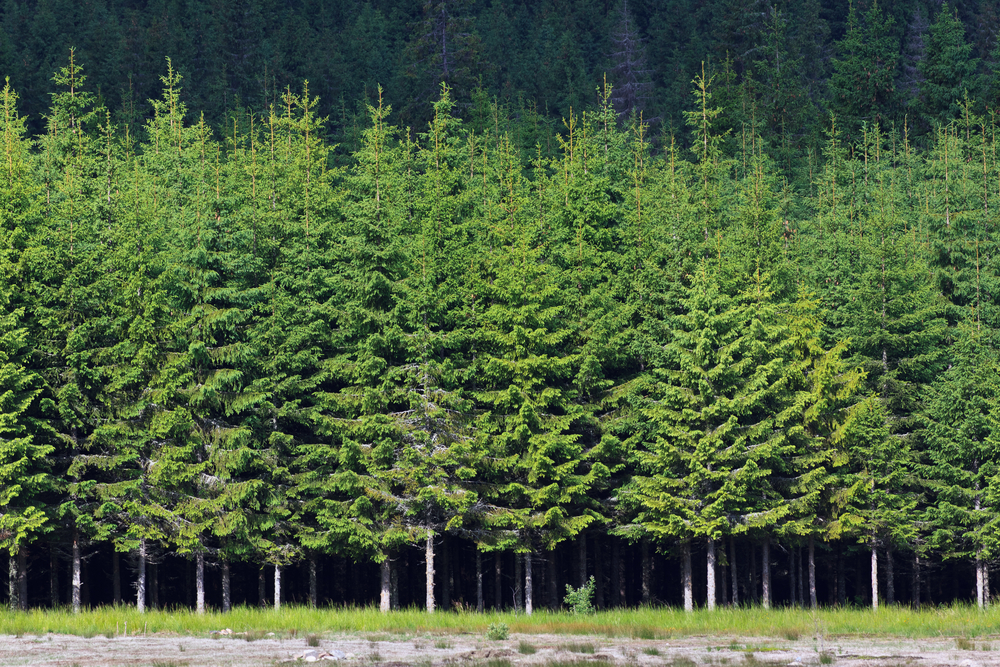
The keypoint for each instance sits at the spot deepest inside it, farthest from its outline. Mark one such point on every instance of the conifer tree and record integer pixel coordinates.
(25, 473)
(863, 82)
(948, 69)
(961, 455)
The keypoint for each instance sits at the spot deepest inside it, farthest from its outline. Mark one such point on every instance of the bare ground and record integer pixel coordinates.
(467, 649)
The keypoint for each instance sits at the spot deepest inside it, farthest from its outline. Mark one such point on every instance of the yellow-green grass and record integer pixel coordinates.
(643, 623)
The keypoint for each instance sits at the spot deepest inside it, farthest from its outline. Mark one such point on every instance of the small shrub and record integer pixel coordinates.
(442, 643)
(498, 631)
(312, 640)
(651, 650)
(964, 644)
(825, 658)
(791, 634)
(581, 600)
(524, 648)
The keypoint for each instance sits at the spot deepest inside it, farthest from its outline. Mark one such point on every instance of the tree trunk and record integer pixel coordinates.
(199, 582)
(277, 587)
(617, 593)
(647, 572)
(733, 572)
(12, 587)
(793, 573)
(154, 584)
(813, 603)
(986, 585)
(599, 572)
(687, 581)
(22, 578)
(874, 577)
(518, 583)
(385, 596)
(529, 586)
(890, 578)
(802, 577)
(553, 584)
(393, 585)
(916, 580)
(227, 591)
(479, 581)
(710, 574)
(765, 573)
(262, 587)
(581, 541)
(54, 578)
(753, 575)
(497, 582)
(140, 586)
(429, 555)
(116, 578)
(841, 578)
(445, 574)
(77, 584)
(980, 598)
(313, 580)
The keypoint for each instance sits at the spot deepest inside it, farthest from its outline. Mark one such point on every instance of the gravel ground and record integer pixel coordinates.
(440, 650)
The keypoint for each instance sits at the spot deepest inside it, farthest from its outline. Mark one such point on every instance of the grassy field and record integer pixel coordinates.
(643, 623)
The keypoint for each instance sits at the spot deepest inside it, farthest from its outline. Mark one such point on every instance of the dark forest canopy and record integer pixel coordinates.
(800, 59)
(755, 325)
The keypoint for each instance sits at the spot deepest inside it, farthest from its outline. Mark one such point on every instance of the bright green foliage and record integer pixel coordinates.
(337, 483)
(961, 454)
(581, 600)
(538, 480)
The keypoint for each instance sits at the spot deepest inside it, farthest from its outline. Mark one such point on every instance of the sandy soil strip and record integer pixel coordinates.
(467, 649)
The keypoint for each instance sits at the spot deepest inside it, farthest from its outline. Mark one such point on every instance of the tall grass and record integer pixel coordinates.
(643, 623)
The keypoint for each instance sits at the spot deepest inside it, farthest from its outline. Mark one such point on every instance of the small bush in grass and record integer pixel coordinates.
(312, 640)
(651, 650)
(579, 647)
(581, 600)
(498, 631)
(682, 661)
(825, 658)
(442, 643)
(525, 648)
(964, 644)
(792, 634)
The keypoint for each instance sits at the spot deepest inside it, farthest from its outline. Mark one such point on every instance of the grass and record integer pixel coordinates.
(526, 648)
(578, 647)
(964, 622)
(651, 650)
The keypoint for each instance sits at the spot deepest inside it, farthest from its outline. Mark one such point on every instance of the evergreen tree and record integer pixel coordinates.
(961, 455)
(863, 83)
(948, 69)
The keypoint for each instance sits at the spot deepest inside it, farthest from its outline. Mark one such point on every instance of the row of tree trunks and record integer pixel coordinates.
(719, 588)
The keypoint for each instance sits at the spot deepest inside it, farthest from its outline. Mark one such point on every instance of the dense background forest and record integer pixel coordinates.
(505, 296)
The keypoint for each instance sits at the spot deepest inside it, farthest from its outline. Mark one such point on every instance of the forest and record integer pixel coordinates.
(709, 318)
